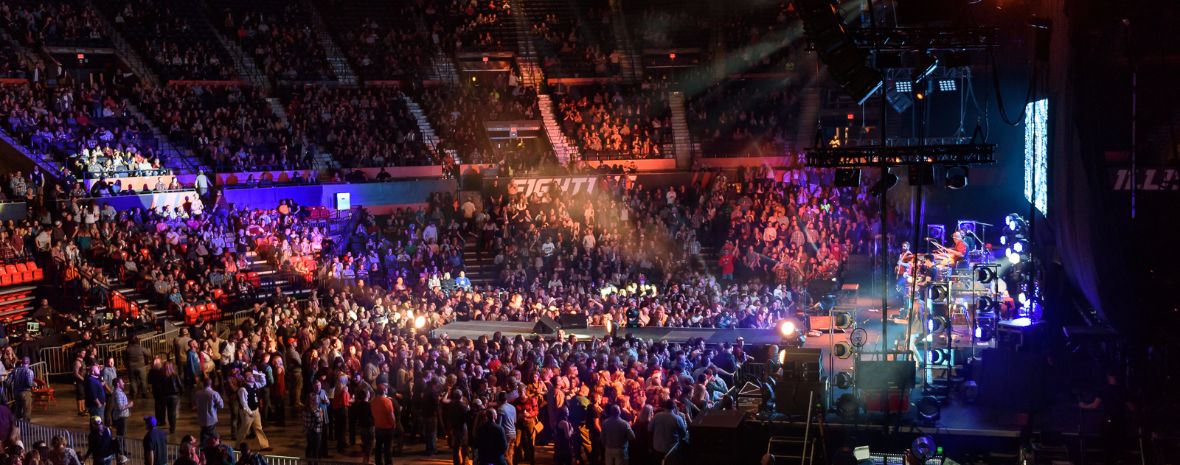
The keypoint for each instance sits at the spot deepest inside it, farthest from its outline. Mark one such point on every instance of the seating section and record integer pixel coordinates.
(574, 41)
(743, 117)
(367, 127)
(88, 130)
(757, 37)
(458, 113)
(664, 24)
(610, 122)
(382, 40)
(471, 25)
(234, 128)
(67, 23)
(279, 36)
(172, 37)
(12, 64)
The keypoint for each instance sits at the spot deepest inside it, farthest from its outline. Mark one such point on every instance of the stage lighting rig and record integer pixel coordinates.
(868, 156)
(907, 38)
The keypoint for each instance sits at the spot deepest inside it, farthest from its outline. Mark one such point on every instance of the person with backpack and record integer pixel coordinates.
(217, 453)
(102, 443)
(250, 418)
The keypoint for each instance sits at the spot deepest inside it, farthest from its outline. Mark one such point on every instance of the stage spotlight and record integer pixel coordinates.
(905, 86)
(1019, 246)
(842, 350)
(1013, 258)
(939, 292)
(786, 328)
(1003, 240)
(936, 324)
(985, 274)
(847, 407)
(1014, 222)
(947, 85)
(843, 380)
(956, 177)
(419, 322)
(923, 447)
(843, 320)
(929, 410)
(985, 304)
(885, 183)
(920, 96)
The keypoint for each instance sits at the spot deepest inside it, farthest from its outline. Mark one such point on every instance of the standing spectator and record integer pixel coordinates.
(527, 410)
(362, 416)
(341, 400)
(155, 443)
(202, 184)
(506, 420)
(565, 438)
(456, 414)
(101, 443)
(136, 358)
(313, 426)
(668, 429)
(616, 436)
(207, 402)
(22, 388)
(120, 408)
(384, 422)
(489, 441)
(167, 389)
(248, 403)
(429, 409)
(640, 448)
(96, 394)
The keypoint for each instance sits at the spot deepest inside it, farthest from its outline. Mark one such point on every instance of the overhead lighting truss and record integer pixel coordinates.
(906, 39)
(855, 157)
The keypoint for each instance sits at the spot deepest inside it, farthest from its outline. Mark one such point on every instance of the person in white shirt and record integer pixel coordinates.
(249, 399)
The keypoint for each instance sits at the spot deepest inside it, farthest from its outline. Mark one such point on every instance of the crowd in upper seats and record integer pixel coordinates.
(580, 46)
(233, 127)
(88, 129)
(279, 36)
(64, 23)
(382, 41)
(178, 43)
(458, 113)
(470, 25)
(359, 127)
(742, 118)
(617, 122)
(12, 63)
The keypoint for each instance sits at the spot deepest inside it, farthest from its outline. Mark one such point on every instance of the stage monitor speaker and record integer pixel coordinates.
(820, 287)
(822, 25)
(802, 364)
(820, 322)
(546, 325)
(572, 320)
(885, 374)
(793, 397)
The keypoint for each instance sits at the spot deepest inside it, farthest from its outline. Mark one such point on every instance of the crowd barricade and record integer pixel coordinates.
(241, 316)
(59, 360)
(160, 343)
(114, 350)
(133, 447)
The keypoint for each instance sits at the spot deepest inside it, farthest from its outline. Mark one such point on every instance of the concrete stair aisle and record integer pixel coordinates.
(631, 63)
(681, 137)
(526, 57)
(142, 300)
(479, 267)
(444, 69)
(562, 146)
(336, 57)
(424, 127)
(179, 159)
(243, 63)
(279, 110)
(46, 161)
(270, 278)
(808, 117)
(31, 56)
(137, 64)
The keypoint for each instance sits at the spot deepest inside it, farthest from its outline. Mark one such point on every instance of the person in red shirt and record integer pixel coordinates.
(341, 400)
(384, 422)
(726, 264)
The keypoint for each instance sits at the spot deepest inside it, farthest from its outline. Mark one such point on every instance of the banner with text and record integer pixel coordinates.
(1151, 179)
(569, 184)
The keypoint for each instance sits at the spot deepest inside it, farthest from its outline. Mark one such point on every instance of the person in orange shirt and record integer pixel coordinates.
(385, 424)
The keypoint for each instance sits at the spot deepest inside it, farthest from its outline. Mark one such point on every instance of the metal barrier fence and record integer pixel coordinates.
(59, 360)
(133, 448)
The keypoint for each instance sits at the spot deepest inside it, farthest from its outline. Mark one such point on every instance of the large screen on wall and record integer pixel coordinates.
(1036, 154)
